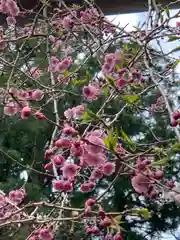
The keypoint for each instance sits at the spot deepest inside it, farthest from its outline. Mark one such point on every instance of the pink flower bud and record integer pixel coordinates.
(58, 185)
(45, 234)
(40, 116)
(90, 202)
(25, 113)
(68, 186)
(121, 83)
(58, 160)
(85, 188)
(63, 143)
(48, 153)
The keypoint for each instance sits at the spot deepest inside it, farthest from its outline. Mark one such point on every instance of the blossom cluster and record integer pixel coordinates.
(146, 178)
(20, 103)
(89, 152)
(8, 205)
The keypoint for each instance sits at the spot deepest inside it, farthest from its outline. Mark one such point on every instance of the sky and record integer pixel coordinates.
(132, 20)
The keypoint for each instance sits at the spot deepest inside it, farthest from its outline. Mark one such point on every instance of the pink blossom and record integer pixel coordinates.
(4, 8)
(13, 9)
(90, 202)
(11, 20)
(85, 187)
(39, 116)
(140, 183)
(68, 187)
(85, 17)
(77, 149)
(68, 130)
(95, 144)
(35, 72)
(52, 38)
(69, 113)
(91, 92)
(97, 173)
(108, 168)
(58, 160)
(26, 112)
(67, 23)
(58, 185)
(107, 68)
(48, 153)
(78, 111)
(110, 59)
(45, 234)
(121, 83)
(70, 170)
(93, 159)
(63, 143)
(10, 109)
(37, 95)
(64, 65)
(48, 166)
(54, 64)
(16, 196)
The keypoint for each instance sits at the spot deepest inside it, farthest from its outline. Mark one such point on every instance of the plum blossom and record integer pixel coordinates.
(109, 168)
(95, 144)
(58, 160)
(11, 20)
(97, 173)
(37, 95)
(85, 187)
(64, 65)
(63, 143)
(93, 159)
(70, 170)
(67, 23)
(10, 109)
(26, 112)
(77, 149)
(91, 92)
(67, 186)
(58, 185)
(35, 72)
(45, 234)
(140, 183)
(54, 64)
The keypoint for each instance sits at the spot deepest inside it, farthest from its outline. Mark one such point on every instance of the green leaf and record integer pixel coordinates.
(143, 212)
(106, 90)
(174, 65)
(128, 140)
(130, 98)
(66, 74)
(111, 81)
(118, 219)
(79, 82)
(111, 141)
(162, 162)
(173, 38)
(89, 116)
(167, 12)
(176, 147)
